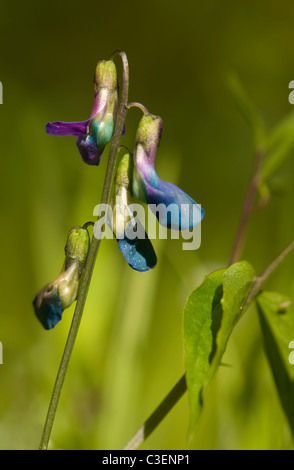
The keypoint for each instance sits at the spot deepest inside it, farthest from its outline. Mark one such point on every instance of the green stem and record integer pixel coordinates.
(180, 388)
(260, 280)
(135, 104)
(158, 415)
(247, 206)
(91, 259)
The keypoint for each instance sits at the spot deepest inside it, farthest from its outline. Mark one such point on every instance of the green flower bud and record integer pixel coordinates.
(149, 131)
(105, 76)
(124, 172)
(77, 246)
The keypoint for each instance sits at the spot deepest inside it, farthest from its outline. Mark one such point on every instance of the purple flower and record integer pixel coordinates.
(94, 133)
(172, 206)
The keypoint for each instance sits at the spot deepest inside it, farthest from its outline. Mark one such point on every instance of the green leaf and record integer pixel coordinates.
(210, 315)
(277, 324)
(248, 110)
(237, 281)
(202, 317)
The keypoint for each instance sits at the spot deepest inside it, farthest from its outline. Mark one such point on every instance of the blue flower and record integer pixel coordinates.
(179, 211)
(94, 133)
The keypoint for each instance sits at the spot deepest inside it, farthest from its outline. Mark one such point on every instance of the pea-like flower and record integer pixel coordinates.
(180, 211)
(60, 294)
(130, 234)
(94, 133)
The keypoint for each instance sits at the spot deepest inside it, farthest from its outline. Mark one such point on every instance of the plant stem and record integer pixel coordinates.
(247, 206)
(158, 415)
(90, 263)
(259, 281)
(180, 388)
(135, 104)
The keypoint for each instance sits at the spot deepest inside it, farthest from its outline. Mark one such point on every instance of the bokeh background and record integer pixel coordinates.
(129, 351)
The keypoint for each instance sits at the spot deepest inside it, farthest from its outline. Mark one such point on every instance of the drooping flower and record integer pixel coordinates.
(94, 133)
(130, 234)
(60, 294)
(180, 211)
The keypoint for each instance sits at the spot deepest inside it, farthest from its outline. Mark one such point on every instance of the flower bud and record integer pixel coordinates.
(149, 131)
(105, 76)
(77, 247)
(60, 294)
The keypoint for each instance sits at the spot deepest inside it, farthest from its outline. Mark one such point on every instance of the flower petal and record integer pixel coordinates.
(138, 252)
(48, 308)
(130, 234)
(67, 284)
(101, 130)
(89, 150)
(175, 209)
(101, 99)
(67, 128)
(172, 206)
(94, 133)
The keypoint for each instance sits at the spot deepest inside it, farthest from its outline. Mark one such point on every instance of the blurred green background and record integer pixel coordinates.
(129, 351)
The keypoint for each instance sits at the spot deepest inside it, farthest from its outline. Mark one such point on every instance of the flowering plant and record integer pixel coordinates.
(215, 307)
